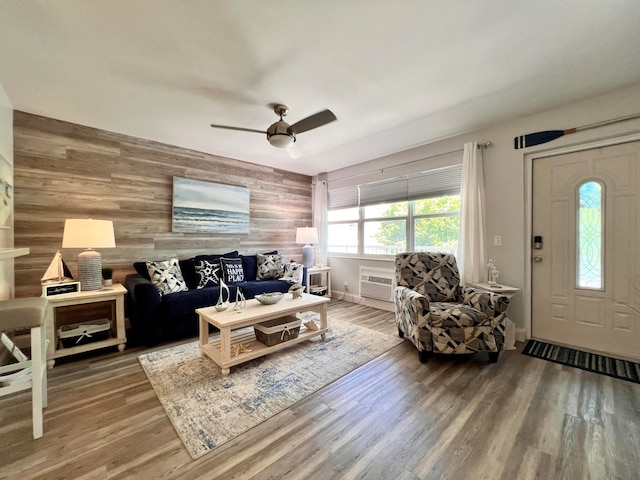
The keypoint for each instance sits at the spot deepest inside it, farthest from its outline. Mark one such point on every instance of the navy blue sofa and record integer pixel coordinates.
(157, 318)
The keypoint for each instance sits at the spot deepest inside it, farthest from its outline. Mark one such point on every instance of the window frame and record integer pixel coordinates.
(578, 232)
(409, 219)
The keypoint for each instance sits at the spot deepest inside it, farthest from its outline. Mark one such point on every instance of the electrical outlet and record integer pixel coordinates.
(346, 285)
(497, 240)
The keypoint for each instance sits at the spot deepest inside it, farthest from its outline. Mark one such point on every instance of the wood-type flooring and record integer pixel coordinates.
(393, 418)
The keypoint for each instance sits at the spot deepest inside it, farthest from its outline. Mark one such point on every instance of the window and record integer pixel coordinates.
(385, 228)
(589, 236)
(429, 224)
(436, 223)
(415, 212)
(343, 230)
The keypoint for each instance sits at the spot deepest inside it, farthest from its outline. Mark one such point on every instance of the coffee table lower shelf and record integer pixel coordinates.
(248, 339)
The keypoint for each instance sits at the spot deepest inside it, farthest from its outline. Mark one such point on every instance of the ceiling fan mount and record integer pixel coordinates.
(282, 135)
(281, 110)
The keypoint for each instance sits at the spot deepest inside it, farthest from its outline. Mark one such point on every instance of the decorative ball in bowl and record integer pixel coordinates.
(269, 298)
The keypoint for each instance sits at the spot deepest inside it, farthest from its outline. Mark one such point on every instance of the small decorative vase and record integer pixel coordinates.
(241, 302)
(296, 290)
(222, 303)
(490, 268)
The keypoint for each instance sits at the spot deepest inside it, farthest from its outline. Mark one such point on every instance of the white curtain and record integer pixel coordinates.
(472, 259)
(319, 199)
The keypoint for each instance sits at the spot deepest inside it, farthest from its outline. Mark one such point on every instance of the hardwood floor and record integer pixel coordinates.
(393, 418)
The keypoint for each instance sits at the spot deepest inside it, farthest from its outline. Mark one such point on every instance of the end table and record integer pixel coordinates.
(326, 271)
(113, 294)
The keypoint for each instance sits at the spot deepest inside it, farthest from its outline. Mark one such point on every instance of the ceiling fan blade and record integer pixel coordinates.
(294, 151)
(240, 129)
(314, 121)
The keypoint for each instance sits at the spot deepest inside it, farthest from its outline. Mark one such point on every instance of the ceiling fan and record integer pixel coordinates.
(281, 134)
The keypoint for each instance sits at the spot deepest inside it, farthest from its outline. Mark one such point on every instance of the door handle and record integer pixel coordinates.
(537, 259)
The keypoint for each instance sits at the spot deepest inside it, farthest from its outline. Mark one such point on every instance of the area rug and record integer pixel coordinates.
(592, 362)
(207, 409)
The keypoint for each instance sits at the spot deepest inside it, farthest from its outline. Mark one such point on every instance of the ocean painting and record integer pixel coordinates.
(206, 207)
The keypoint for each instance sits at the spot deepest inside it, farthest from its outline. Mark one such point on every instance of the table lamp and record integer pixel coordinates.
(308, 236)
(89, 234)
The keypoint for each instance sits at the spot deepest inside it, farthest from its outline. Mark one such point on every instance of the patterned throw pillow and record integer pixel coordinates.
(232, 270)
(293, 272)
(166, 276)
(270, 267)
(207, 273)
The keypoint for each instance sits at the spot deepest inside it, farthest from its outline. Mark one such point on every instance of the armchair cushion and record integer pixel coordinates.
(444, 314)
(432, 274)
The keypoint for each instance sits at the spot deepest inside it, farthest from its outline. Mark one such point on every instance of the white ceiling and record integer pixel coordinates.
(396, 74)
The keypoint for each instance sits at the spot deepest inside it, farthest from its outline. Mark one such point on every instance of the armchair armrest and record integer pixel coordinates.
(493, 304)
(143, 309)
(412, 308)
(413, 317)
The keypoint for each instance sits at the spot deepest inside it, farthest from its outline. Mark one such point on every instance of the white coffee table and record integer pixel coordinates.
(219, 349)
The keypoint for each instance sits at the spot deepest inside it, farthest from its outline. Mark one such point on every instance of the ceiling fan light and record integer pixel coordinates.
(281, 140)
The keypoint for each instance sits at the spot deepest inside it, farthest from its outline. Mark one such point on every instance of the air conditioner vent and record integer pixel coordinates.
(377, 283)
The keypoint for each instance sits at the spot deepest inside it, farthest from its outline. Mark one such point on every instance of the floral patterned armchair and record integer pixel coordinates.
(438, 315)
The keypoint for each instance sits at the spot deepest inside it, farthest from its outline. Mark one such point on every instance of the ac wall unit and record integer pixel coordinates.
(377, 283)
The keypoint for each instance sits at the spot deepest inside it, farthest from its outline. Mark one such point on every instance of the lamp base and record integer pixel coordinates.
(90, 270)
(307, 256)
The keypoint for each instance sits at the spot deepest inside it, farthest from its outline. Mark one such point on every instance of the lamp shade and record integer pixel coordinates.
(88, 233)
(307, 235)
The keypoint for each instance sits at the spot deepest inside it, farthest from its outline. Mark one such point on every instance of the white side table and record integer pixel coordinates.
(114, 294)
(510, 326)
(325, 272)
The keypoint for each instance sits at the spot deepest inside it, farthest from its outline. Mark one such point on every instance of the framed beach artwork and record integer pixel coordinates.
(207, 207)
(6, 193)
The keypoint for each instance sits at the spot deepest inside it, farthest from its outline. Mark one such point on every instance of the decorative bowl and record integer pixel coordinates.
(269, 298)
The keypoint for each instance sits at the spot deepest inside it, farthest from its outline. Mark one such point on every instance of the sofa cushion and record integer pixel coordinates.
(293, 272)
(166, 276)
(208, 273)
(141, 268)
(250, 265)
(215, 257)
(189, 273)
(270, 267)
(189, 269)
(232, 270)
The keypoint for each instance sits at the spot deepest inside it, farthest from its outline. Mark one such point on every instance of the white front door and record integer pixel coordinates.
(586, 275)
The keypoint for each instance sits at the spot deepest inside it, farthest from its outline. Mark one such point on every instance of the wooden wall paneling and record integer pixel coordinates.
(63, 170)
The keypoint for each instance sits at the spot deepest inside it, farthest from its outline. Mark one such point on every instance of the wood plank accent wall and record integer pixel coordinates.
(64, 170)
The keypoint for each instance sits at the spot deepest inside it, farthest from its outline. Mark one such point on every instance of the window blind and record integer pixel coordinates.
(436, 183)
(432, 183)
(343, 197)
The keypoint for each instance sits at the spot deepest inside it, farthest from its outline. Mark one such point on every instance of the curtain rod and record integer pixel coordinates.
(481, 146)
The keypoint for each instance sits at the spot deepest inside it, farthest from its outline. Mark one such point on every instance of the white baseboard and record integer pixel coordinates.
(370, 302)
(521, 335)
